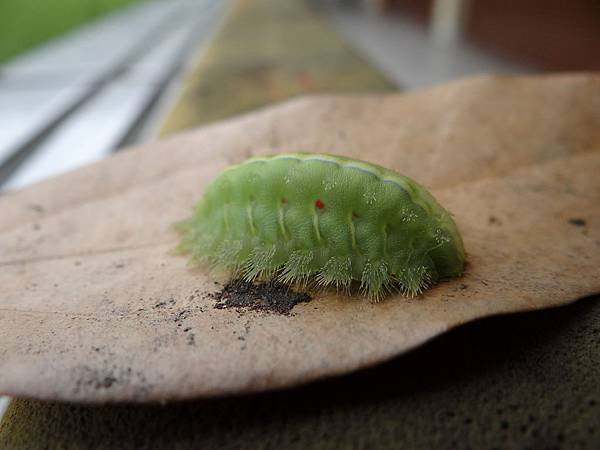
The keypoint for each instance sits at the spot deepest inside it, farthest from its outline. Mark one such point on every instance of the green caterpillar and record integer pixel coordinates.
(303, 217)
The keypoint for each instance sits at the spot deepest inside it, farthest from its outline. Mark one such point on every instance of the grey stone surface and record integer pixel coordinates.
(132, 53)
(60, 74)
(406, 52)
(90, 135)
(104, 121)
(527, 381)
(24, 114)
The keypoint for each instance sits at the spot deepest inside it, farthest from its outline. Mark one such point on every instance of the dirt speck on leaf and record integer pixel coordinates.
(493, 220)
(578, 222)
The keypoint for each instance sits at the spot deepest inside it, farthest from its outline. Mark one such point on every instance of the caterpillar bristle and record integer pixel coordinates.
(414, 280)
(260, 264)
(198, 255)
(376, 281)
(297, 269)
(337, 271)
(230, 254)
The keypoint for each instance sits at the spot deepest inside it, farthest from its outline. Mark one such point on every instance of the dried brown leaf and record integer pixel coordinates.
(96, 306)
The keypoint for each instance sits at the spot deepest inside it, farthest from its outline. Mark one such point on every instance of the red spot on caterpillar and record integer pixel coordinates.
(319, 204)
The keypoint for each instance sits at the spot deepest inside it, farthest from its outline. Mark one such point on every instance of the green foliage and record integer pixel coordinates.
(332, 220)
(27, 23)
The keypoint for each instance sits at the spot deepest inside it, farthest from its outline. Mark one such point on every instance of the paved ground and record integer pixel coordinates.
(269, 51)
(99, 81)
(405, 51)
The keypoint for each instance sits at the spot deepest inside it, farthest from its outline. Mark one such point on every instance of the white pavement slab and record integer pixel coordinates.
(406, 52)
(88, 136)
(60, 74)
(119, 90)
(39, 89)
(24, 114)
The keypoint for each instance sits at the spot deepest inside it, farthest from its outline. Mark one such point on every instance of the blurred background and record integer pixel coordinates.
(80, 79)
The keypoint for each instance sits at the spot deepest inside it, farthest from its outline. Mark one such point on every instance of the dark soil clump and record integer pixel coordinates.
(271, 296)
